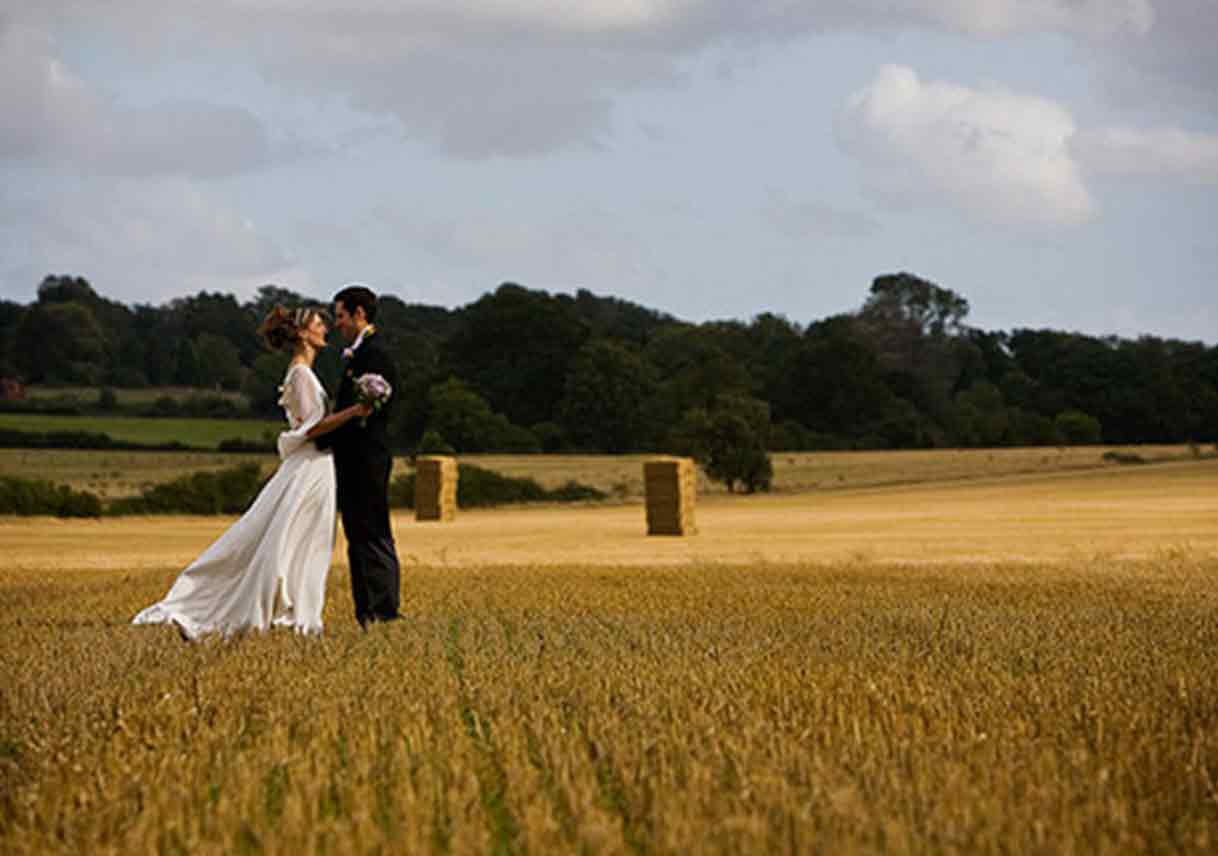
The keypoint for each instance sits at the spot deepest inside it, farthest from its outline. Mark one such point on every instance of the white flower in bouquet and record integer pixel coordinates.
(372, 390)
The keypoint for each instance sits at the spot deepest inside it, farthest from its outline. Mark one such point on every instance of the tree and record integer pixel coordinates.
(737, 444)
(60, 343)
(261, 384)
(515, 347)
(916, 329)
(10, 319)
(903, 299)
(220, 315)
(465, 419)
(772, 343)
(613, 318)
(604, 404)
(67, 289)
(690, 436)
(982, 416)
(1078, 428)
(729, 442)
(431, 443)
(270, 295)
(836, 385)
(186, 365)
(694, 369)
(218, 362)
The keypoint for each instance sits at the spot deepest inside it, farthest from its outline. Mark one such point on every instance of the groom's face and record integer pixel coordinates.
(348, 324)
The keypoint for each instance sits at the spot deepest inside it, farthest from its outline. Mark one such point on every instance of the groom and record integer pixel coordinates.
(362, 462)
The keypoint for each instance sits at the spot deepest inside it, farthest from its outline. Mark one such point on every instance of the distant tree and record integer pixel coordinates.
(729, 441)
(67, 289)
(218, 362)
(772, 345)
(270, 295)
(186, 365)
(606, 394)
(983, 419)
(432, 443)
(836, 385)
(417, 356)
(465, 419)
(613, 318)
(690, 435)
(10, 319)
(903, 299)
(551, 436)
(515, 347)
(220, 315)
(739, 428)
(1078, 428)
(60, 343)
(694, 369)
(916, 329)
(261, 384)
(1033, 429)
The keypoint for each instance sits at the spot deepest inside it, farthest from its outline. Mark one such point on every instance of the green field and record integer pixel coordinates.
(194, 433)
(137, 395)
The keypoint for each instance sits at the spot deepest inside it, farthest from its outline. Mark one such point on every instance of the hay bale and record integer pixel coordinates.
(435, 488)
(671, 486)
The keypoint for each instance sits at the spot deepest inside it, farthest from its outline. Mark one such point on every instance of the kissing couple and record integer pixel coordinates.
(270, 567)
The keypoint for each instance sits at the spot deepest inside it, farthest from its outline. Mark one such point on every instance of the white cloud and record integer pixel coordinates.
(61, 119)
(483, 78)
(1155, 152)
(993, 154)
(147, 238)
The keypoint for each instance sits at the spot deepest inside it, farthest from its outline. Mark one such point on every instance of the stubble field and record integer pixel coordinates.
(112, 474)
(1016, 663)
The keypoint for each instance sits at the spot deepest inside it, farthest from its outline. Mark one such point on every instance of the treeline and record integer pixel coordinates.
(524, 370)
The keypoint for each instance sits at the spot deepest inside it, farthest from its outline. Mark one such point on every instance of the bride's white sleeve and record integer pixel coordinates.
(304, 410)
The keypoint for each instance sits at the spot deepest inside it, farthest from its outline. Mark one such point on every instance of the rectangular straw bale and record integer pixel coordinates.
(435, 488)
(671, 485)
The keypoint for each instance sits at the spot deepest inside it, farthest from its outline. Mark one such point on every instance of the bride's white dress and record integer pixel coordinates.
(270, 566)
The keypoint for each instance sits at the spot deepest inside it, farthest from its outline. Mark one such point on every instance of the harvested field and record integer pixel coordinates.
(1026, 664)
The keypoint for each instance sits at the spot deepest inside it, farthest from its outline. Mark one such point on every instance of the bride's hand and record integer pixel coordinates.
(362, 410)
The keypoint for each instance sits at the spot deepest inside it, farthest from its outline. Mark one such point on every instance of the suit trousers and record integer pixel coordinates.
(363, 503)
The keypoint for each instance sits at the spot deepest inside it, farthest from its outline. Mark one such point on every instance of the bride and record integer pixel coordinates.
(270, 566)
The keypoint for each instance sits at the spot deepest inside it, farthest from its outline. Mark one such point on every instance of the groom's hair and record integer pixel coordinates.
(361, 296)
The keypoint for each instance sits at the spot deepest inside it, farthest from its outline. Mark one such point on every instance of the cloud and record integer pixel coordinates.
(149, 239)
(64, 120)
(1090, 19)
(1154, 152)
(487, 78)
(800, 220)
(1174, 64)
(558, 248)
(993, 154)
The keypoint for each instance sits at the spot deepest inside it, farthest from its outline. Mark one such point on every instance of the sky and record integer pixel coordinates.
(1053, 161)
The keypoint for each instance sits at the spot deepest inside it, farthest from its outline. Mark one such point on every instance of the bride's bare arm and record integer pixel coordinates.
(337, 420)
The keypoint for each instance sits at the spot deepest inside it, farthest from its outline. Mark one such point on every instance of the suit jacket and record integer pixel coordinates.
(354, 441)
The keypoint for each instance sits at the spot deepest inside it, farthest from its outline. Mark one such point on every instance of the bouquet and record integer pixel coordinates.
(372, 390)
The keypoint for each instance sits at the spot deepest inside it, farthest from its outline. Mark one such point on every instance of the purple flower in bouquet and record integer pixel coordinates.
(372, 390)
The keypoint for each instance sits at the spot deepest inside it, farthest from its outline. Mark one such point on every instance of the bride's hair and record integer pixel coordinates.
(281, 328)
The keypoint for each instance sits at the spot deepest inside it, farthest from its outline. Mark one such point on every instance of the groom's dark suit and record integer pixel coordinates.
(362, 462)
